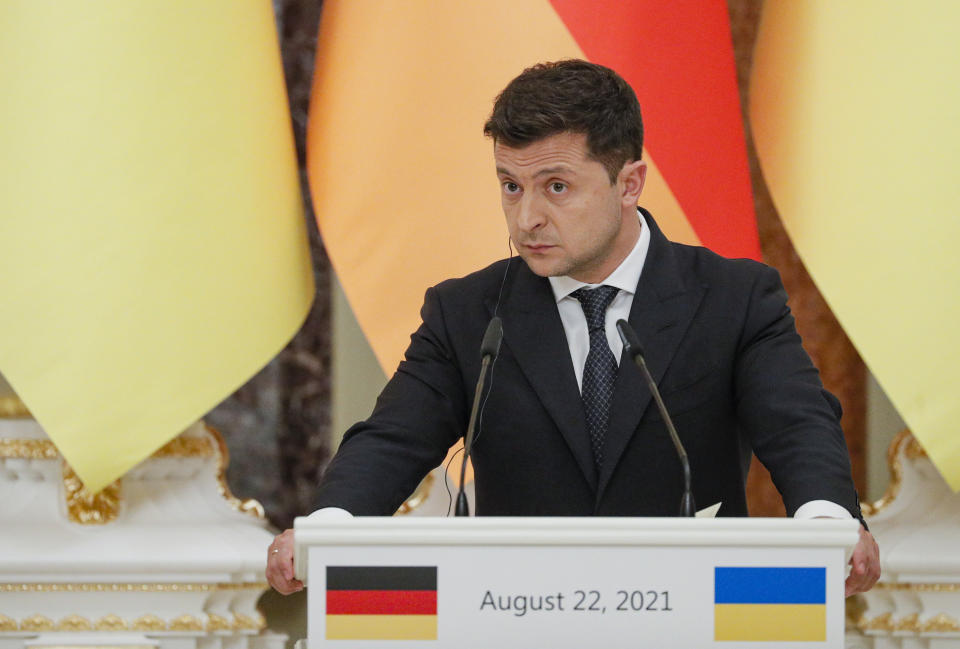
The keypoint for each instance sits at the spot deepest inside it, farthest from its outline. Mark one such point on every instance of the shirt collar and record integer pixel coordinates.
(625, 277)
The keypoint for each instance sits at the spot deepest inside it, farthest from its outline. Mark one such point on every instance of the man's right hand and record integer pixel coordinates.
(280, 565)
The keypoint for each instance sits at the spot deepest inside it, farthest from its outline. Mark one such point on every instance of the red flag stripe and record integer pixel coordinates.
(678, 56)
(381, 602)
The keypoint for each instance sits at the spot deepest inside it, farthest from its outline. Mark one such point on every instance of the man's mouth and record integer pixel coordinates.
(537, 247)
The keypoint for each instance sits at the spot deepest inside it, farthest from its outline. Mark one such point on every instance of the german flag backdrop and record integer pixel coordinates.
(403, 180)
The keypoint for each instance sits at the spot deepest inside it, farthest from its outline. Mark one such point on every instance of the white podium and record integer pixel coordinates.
(574, 582)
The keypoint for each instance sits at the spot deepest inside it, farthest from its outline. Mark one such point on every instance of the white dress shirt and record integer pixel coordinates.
(625, 277)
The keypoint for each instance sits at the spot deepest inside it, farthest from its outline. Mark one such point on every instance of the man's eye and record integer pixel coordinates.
(558, 188)
(511, 188)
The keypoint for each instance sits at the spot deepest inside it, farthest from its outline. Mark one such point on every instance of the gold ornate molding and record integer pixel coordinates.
(185, 623)
(920, 587)
(44, 449)
(941, 623)
(249, 506)
(855, 608)
(92, 646)
(111, 623)
(246, 623)
(418, 497)
(159, 587)
(914, 451)
(186, 447)
(11, 407)
(88, 508)
(28, 449)
(882, 622)
(903, 441)
(218, 623)
(37, 623)
(148, 623)
(908, 623)
(74, 623)
(98, 509)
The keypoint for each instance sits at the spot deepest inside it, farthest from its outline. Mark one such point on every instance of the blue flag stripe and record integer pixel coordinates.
(735, 585)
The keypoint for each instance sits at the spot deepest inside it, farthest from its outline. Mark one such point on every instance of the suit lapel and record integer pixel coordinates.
(663, 308)
(534, 333)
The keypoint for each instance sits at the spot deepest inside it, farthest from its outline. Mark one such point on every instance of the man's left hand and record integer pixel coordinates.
(864, 564)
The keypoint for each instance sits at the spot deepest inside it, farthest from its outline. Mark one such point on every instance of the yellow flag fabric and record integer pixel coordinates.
(153, 253)
(854, 111)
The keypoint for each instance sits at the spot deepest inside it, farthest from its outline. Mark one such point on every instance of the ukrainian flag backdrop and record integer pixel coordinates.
(770, 604)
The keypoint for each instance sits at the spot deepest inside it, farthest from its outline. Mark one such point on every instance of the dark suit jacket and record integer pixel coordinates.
(720, 342)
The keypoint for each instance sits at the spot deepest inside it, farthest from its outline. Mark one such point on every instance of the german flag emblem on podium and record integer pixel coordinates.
(381, 603)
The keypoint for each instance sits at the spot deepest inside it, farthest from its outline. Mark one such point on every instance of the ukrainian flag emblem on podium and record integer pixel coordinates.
(770, 604)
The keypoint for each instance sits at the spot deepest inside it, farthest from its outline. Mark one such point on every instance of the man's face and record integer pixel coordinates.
(563, 214)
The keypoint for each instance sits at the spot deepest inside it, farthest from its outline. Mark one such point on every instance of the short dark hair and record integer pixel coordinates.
(571, 96)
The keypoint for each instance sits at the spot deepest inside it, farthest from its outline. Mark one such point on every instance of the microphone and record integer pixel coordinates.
(632, 346)
(489, 348)
(492, 337)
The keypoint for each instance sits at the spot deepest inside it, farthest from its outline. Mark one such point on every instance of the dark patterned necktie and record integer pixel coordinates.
(600, 370)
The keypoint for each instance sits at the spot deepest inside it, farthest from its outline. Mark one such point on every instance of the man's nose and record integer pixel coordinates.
(530, 215)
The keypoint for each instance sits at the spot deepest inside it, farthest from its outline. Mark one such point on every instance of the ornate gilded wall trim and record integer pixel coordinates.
(28, 449)
(148, 623)
(74, 623)
(908, 623)
(88, 508)
(186, 447)
(37, 623)
(920, 587)
(185, 623)
(854, 609)
(11, 407)
(419, 496)
(904, 440)
(44, 449)
(880, 623)
(111, 623)
(93, 646)
(246, 623)
(130, 588)
(249, 506)
(218, 623)
(914, 451)
(97, 509)
(941, 623)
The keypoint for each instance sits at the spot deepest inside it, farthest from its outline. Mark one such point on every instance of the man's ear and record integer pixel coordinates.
(632, 177)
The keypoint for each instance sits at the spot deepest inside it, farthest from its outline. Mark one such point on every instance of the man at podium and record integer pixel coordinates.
(568, 426)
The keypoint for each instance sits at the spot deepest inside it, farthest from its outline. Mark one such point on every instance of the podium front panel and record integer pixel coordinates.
(576, 583)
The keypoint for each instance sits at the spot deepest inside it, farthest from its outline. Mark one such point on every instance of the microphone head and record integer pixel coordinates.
(492, 337)
(629, 337)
